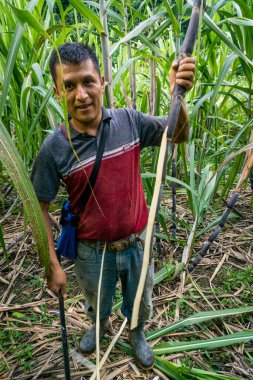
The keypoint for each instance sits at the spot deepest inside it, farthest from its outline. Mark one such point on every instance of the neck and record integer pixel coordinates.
(90, 129)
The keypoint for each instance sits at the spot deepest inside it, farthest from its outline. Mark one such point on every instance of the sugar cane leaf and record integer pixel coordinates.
(110, 12)
(216, 7)
(177, 372)
(144, 103)
(172, 179)
(221, 77)
(247, 31)
(198, 318)
(11, 58)
(155, 34)
(175, 24)
(180, 6)
(55, 105)
(24, 16)
(198, 105)
(39, 113)
(226, 121)
(15, 168)
(118, 5)
(237, 100)
(88, 14)
(208, 344)
(147, 183)
(208, 21)
(241, 21)
(245, 90)
(174, 372)
(137, 30)
(206, 191)
(245, 128)
(248, 72)
(152, 46)
(166, 272)
(122, 69)
(230, 180)
(247, 11)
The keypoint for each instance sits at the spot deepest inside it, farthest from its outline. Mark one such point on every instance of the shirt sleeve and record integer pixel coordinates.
(45, 177)
(150, 128)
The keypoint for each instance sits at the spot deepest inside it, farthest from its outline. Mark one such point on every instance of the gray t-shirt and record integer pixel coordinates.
(117, 206)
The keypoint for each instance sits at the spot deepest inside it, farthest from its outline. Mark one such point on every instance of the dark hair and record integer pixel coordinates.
(72, 53)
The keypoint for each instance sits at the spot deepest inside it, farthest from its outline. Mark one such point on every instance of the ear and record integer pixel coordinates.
(57, 94)
(103, 83)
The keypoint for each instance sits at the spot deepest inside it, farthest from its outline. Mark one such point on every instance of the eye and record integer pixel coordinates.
(88, 82)
(69, 86)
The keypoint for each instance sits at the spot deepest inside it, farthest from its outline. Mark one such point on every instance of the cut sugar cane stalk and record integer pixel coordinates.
(168, 138)
(173, 190)
(98, 315)
(149, 235)
(112, 344)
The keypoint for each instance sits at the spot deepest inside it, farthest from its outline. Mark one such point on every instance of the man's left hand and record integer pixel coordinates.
(182, 73)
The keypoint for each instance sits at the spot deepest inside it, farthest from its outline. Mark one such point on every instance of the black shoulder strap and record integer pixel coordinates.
(91, 182)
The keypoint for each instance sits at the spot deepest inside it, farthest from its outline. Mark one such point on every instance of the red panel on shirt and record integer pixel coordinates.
(117, 206)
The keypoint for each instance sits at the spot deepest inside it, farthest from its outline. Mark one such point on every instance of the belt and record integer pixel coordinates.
(113, 246)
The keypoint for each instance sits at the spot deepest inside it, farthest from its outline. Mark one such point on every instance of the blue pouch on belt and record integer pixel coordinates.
(66, 243)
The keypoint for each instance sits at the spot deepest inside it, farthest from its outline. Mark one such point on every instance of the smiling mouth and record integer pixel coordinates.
(84, 106)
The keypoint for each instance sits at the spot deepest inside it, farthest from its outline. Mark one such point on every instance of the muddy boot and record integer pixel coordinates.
(88, 341)
(142, 352)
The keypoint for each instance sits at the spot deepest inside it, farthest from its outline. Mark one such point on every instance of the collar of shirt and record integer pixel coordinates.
(74, 133)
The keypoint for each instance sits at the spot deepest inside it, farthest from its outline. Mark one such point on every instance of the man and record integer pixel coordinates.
(116, 212)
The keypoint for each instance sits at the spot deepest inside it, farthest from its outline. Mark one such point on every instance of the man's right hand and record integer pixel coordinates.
(56, 280)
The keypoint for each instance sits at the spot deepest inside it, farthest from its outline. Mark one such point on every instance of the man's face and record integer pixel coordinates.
(84, 89)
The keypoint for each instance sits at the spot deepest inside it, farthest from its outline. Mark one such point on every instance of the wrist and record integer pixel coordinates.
(54, 265)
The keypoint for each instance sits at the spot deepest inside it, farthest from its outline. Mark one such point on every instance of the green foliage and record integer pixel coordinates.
(231, 281)
(17, 172)
(184, 373)
(14, 342)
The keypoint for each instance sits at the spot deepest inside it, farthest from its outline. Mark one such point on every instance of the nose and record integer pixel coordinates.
(81, 93)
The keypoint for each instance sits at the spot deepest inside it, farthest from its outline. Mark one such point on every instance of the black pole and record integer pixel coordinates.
(64, 336)
(178, 94)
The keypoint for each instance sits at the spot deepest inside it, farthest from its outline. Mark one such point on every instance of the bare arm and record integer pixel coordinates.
(182, 74)
(56, 279)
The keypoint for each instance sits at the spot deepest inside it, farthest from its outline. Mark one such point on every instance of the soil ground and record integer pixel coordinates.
(30, 335)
